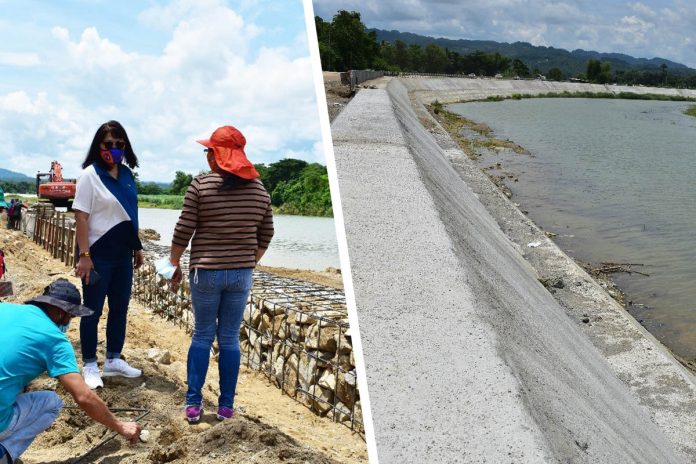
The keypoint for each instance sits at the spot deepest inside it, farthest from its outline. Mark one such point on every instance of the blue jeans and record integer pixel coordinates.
(218, 298)
(116, 280)
(33, 413)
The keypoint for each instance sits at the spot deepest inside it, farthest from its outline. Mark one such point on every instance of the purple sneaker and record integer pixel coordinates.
(193, 413)
(225, 413)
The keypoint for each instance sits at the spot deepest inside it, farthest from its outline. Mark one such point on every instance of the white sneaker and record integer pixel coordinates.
(90, 372)
(120, 367)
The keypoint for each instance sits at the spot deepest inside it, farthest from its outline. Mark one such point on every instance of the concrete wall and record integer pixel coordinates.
(450, 90)
(469, 358)
(357, 77)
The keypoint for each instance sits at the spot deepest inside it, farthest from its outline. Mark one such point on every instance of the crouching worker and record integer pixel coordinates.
(34, 342)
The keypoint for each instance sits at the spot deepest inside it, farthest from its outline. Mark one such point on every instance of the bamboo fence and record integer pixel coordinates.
(56, 232)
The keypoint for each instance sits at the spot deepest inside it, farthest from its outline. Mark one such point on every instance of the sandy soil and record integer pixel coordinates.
(337, 95)
(331, 277)
(269, 427)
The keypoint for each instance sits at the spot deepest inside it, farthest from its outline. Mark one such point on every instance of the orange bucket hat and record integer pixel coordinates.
(228, 147)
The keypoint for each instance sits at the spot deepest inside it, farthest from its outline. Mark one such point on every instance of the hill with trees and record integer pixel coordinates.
(345, 43)
(297, 187)
(16, 182)
(571, 63)
(6, 174)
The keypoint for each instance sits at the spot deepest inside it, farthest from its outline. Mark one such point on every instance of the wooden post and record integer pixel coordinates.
(36, 228)
(54, 234)
(71, 247)
(52, 242)
(56, 238)
(62, 239)
(41, 231)
(44, 233)
(47, 233)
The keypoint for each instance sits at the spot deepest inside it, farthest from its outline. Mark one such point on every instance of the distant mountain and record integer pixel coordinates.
(6, 174)
(543, 58)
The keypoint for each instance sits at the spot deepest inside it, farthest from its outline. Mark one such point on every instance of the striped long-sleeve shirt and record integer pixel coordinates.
(228, 227)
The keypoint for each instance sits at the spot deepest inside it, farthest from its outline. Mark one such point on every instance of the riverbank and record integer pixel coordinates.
(467, 256)
(569, 171)
(592, 94)
(476, 140)
(269, 427)
(331, 277)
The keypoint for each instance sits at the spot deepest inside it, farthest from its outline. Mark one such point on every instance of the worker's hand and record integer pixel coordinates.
(84, 266)
(138, 258)
(129, 430)
(176, 280)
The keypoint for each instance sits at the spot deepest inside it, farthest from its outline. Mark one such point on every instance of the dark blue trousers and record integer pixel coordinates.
(115, 283)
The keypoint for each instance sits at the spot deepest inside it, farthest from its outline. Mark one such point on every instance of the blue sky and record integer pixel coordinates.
(645, 29)
(170, 71)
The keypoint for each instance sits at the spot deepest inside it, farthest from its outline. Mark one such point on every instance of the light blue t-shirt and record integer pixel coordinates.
(31, 345)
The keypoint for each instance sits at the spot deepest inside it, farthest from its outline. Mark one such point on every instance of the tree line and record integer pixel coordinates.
(345, 43)
(18, 186)
(295, 187)
(600, 72)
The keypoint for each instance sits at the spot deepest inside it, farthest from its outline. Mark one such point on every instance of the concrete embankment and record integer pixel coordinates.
(469, 358)
(450, 90)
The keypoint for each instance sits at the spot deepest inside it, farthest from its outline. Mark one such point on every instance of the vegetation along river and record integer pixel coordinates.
(300, 242)
(615, 180)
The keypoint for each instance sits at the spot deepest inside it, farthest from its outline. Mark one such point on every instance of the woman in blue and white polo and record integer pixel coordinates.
(106, 216)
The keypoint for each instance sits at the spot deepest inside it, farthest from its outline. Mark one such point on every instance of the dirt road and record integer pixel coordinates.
(269, 427)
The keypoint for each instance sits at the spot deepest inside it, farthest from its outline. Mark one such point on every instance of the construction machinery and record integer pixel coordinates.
(50, 186)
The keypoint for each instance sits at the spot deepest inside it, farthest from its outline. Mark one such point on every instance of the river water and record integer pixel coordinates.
(614, 179)
(300, 242)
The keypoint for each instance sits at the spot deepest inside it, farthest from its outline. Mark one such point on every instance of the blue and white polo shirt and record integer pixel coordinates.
(112, 205)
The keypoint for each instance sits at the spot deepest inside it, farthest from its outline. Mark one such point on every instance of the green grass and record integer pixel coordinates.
(691, 111)
(161, 201)
(437, 106)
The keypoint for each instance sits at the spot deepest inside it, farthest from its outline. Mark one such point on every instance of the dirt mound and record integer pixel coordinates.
(172, 439)
(232, 439)
(149, 234)
(337, 94)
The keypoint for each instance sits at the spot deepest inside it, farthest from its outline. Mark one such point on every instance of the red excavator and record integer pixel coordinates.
(52, 187)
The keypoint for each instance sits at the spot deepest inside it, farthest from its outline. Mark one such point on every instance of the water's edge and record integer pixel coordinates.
(618, 292)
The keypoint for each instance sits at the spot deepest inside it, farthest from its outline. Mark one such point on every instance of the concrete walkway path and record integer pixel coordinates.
(469, 358)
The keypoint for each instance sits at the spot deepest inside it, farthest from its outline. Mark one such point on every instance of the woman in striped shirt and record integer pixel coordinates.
(228, 214)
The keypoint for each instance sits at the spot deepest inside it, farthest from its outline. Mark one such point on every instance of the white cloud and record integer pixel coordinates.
(632, 31)
(643, 10)
(211, 72)
(19, 59)
(169, 15)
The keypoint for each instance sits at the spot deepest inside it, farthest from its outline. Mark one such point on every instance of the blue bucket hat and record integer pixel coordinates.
(65, 296)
